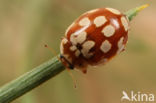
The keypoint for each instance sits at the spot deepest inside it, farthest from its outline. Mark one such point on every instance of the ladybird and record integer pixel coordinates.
(94, 38)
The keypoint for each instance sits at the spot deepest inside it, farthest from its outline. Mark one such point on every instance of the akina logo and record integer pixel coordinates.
(137, 97)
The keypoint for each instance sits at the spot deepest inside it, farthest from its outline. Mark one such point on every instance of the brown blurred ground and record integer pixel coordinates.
(25, 26)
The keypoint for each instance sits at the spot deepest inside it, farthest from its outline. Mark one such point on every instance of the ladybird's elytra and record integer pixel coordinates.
(94, 38)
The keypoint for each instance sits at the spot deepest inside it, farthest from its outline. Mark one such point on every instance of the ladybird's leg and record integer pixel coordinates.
(72, 76)
(83, 67)
(69, 67)
(84, 70)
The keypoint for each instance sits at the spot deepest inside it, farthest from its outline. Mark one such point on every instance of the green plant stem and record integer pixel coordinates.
(40, 74)
(133, 12)
(30, 80)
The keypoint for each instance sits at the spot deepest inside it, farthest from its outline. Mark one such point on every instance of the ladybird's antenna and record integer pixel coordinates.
(52, 50)
(68, 69)
(73, 78)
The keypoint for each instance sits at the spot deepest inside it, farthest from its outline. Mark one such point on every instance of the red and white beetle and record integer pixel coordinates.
(94, 38)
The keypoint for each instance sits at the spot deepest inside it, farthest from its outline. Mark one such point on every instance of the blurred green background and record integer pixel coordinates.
(26, 25)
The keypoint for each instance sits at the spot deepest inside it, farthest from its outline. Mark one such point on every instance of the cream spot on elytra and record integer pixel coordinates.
(105, 46)
(100, 20)
(114, 11)
(120, 45)
(108, 31)
(124, 22)
(73, 48)
(77, 53)
(86, 47)
(64, 41)
(80, 38)
(84, 22)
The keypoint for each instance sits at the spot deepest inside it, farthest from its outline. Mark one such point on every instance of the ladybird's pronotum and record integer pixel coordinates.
(94, 38)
